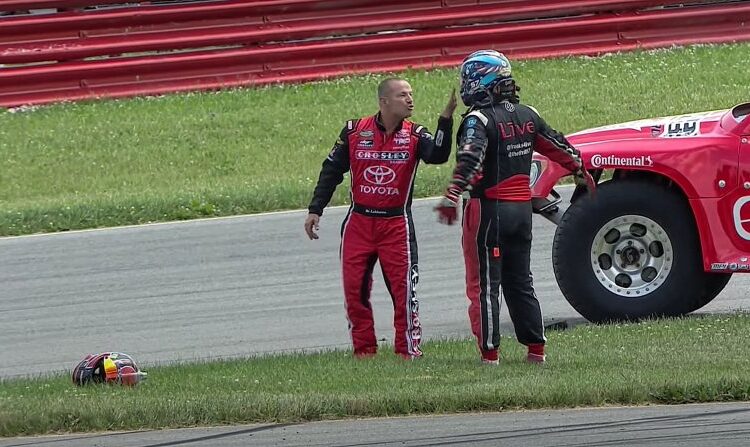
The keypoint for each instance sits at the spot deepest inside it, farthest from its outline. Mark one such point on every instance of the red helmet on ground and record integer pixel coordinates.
(108, 367)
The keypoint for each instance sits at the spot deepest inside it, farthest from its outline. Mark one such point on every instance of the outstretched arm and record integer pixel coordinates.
(553, 145)
(472, 147)
(557, 148)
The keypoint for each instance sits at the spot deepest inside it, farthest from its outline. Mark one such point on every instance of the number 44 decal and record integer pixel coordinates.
(742, 225)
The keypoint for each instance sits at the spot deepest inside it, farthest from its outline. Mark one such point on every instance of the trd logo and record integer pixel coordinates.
(741, 216)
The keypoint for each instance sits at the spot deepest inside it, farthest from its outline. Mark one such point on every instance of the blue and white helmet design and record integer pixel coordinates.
(481, 71)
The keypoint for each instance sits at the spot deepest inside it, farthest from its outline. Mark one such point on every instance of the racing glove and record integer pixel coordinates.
(447, 208)
(582, 178)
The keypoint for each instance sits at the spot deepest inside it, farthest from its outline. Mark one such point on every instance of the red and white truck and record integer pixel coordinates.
(669, 225)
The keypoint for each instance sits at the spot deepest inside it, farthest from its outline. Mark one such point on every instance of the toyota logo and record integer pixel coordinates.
(741, 215)
(380, 175)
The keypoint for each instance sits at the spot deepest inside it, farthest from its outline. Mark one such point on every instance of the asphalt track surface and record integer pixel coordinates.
(225, 288)
(717, 425)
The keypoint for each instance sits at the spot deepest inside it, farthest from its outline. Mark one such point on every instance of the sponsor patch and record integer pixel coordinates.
(599, 160)
(513, 130)
(379, 190)
(365, 144)
(380, 175)
(740, 264)
(366, 134)
(401, 141)
(509, 106)
(383, 155)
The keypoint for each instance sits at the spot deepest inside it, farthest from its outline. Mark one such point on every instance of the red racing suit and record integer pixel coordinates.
(495, 149)
(379, 224)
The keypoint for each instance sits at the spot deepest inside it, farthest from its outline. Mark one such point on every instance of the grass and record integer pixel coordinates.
(676, 361)
(108, 163)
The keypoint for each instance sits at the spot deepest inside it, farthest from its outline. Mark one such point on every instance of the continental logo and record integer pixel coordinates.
(598, 160)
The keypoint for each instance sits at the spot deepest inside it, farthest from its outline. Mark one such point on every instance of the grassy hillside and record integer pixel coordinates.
(109, 163)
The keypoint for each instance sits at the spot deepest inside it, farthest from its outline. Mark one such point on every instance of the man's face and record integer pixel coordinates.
(398, 100)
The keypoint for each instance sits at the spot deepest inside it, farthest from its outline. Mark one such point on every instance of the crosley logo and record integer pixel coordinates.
(599, 160)
(383, 155)
(741, 216)
(379, 175)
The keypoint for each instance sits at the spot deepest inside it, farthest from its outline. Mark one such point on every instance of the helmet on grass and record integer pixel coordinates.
(108, 367)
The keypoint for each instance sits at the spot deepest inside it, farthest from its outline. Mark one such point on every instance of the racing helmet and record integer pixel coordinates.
(108, 367)
(481, 72)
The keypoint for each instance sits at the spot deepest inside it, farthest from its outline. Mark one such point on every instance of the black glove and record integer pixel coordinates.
(582, 178)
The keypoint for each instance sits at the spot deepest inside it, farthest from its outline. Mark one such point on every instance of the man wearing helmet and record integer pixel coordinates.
(496, 140)
(382, 152)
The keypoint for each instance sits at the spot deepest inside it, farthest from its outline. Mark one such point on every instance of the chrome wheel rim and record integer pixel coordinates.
(631, 256)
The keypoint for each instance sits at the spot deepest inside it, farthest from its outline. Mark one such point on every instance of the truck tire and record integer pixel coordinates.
(632, 252)
(714, 284)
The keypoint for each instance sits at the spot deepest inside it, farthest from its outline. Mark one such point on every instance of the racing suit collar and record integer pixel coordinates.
(379, 123)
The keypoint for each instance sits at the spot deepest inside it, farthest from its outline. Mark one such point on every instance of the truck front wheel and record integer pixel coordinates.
(632, 252)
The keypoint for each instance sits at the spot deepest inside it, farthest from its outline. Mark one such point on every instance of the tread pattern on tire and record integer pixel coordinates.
(685, 289)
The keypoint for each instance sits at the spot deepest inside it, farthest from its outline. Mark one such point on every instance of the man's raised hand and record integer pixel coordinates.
(451, 106)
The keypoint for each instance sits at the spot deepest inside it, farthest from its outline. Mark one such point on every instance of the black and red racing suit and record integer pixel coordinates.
(494, 154)
(379, 224)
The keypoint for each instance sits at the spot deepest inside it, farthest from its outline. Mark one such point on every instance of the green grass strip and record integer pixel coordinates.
(107, 163)
(697, 359)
